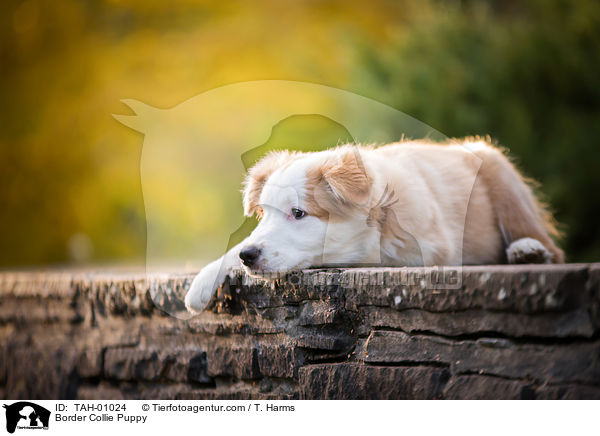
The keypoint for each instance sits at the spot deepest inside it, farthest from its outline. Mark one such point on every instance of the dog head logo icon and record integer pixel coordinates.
(26, 415)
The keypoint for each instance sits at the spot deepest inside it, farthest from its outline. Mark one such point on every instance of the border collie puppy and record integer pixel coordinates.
(412, 203)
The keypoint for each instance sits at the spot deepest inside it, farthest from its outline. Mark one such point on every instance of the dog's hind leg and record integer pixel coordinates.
(528, 250)
(524, 222)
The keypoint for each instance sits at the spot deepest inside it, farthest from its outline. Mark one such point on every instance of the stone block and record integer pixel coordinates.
(355, 381)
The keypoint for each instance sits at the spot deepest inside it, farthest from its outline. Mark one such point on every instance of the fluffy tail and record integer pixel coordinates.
(520, 214)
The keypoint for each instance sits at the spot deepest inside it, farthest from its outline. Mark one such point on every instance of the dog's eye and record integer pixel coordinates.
(298, 213)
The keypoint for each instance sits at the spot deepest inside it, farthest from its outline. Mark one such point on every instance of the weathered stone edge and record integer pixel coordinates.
(510, 288)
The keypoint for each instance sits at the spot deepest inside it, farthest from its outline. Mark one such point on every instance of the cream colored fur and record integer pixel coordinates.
(411, 203)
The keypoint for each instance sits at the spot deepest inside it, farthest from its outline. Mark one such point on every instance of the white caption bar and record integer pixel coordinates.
(24, 417)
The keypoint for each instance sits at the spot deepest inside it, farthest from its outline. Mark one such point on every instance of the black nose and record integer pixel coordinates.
(249, 255)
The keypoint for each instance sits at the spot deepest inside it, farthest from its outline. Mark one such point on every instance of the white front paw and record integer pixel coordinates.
(204, 286)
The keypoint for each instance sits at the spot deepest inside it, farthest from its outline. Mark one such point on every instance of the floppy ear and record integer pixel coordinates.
(346, 178)
(258, 176)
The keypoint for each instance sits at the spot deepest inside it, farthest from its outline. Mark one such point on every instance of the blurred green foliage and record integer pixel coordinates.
(524, 72)
(528, 74)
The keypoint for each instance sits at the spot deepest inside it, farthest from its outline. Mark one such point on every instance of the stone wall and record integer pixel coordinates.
(380, 333)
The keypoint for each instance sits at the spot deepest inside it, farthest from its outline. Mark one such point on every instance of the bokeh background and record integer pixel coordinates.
(527, 73)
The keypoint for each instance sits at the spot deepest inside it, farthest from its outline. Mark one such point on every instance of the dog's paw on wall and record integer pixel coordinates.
(528, 250)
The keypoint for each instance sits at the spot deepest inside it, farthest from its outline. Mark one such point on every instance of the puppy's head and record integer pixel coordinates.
(310, 207)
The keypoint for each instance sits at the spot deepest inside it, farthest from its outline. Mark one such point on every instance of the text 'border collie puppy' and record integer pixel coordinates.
(404, 204)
